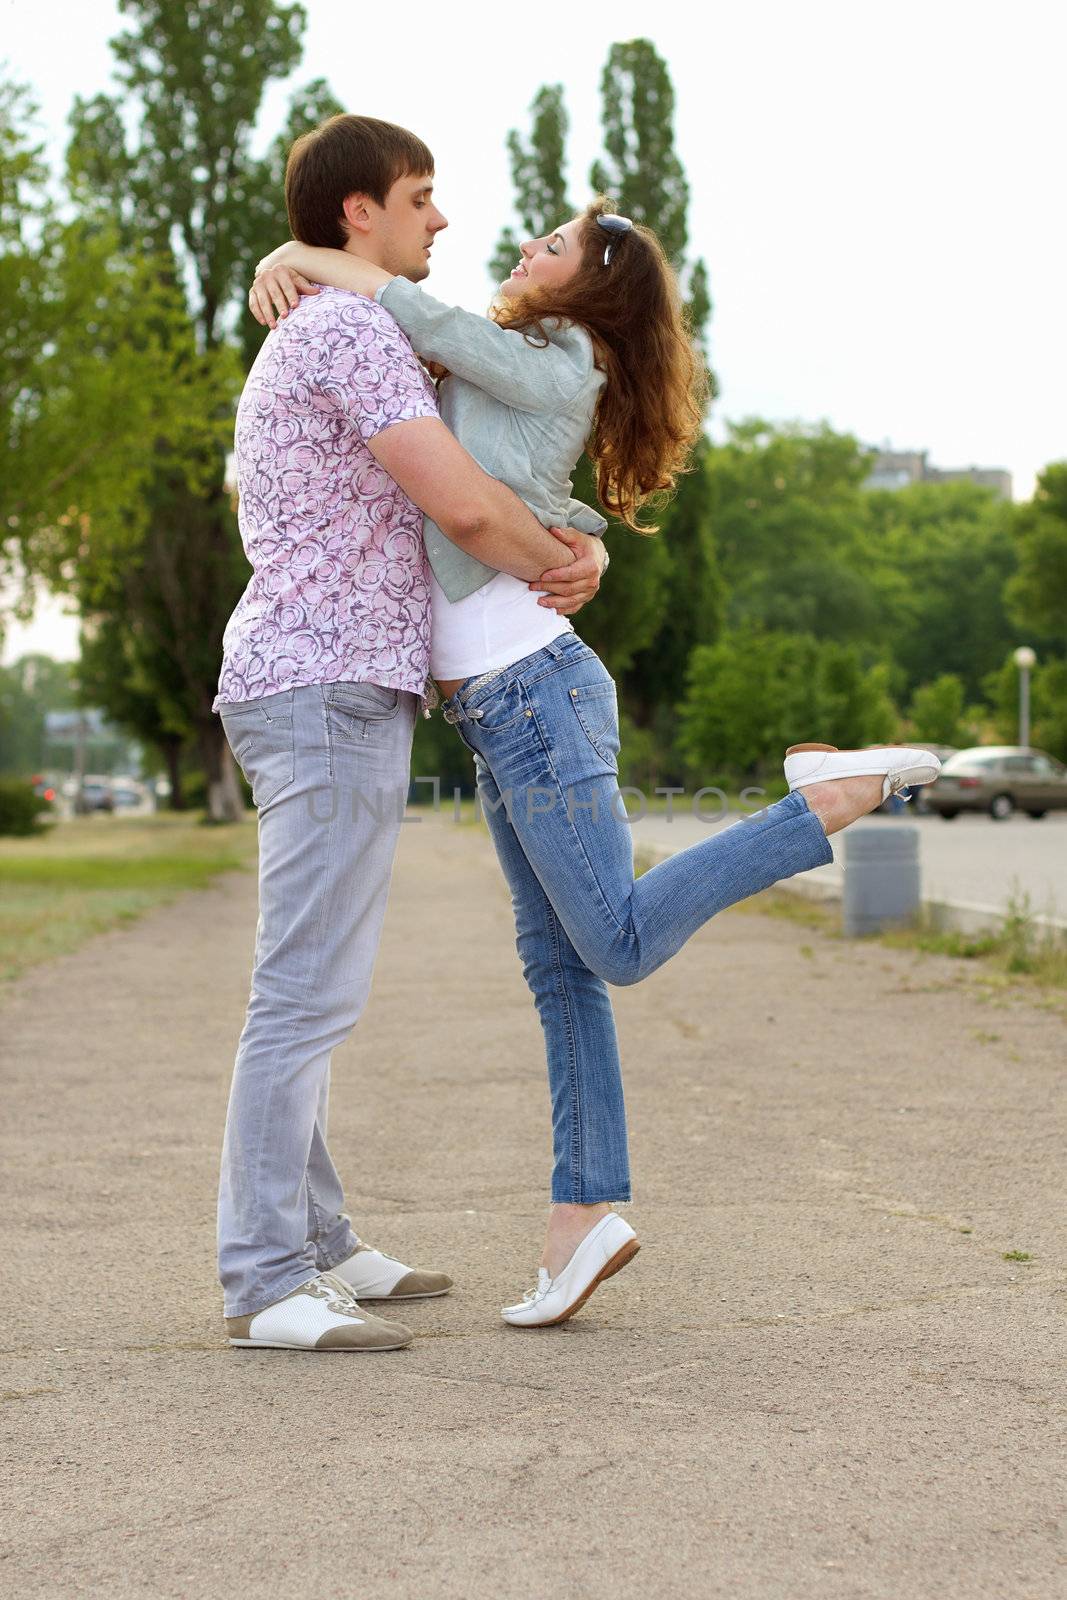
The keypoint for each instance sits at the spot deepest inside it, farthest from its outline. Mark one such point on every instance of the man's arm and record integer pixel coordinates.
(476, 511)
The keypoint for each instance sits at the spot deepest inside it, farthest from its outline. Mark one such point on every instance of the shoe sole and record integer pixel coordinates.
(608, 1270)
(399, 1299)
(276, 1344)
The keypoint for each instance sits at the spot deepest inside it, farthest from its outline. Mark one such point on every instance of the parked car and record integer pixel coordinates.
(999, 779)
(94, 795)
(918, 801)
(128, 795)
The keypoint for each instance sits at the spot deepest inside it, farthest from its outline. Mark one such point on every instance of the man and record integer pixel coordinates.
(339, 452)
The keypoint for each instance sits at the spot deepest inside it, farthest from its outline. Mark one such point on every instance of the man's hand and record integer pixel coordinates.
(573, 586)
(276, 292)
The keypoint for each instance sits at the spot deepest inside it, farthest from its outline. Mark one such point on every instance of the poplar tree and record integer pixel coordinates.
(643, 174)
(537, 171)
(641, 169)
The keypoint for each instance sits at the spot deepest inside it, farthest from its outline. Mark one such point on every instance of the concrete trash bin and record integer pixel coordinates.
(882, 881)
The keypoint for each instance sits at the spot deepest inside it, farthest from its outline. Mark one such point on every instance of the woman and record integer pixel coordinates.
(586, 346)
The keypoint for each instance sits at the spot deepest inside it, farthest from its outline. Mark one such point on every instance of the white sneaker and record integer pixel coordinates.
(604, 1250)
(322, 1314)
(902, 766)
(371, 1275)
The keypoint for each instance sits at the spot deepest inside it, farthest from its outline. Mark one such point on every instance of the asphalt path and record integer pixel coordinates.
(834, 1372)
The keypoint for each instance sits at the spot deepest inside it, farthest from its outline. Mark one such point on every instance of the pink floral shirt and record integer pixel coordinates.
(340, 583)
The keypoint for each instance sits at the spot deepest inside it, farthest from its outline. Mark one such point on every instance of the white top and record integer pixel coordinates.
(524, 411)
(499, 623)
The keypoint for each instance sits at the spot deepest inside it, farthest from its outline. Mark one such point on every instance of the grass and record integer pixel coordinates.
(94, 873)
(1017, 950)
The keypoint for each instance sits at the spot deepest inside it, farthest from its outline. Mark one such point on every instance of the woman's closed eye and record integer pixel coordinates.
(551, 249)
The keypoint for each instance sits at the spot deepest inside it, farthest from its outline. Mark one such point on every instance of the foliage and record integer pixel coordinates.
(641, 169)
(936, 710)
(788, 511)
(122, 436)
(20, 809)
(29, 689)
(939, 556)
(188, 181)
(1037, 593)
(755, 692)
(1048, 704)
(537, 171)
(439, 752)
(691, 611)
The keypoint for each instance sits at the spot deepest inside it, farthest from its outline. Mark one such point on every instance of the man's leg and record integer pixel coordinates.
(329, 1225)
(329, 766)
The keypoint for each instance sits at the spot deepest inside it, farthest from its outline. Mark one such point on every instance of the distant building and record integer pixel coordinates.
(895, 469)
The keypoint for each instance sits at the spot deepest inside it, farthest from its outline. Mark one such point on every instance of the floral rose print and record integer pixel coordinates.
(340, 583)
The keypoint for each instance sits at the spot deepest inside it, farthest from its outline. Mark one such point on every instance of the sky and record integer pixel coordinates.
(877, 191)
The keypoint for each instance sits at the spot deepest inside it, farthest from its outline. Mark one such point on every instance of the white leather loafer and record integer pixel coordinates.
(901, 766)
(604, 1250)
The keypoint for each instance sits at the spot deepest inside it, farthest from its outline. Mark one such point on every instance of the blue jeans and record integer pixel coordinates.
(545, 737)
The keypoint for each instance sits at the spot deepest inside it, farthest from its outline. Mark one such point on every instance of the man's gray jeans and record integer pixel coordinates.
(329, 766)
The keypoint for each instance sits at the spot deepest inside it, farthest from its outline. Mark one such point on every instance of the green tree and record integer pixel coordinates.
(641, 170)
(29, 689)
(187, 209)
(196, 75)
(690, 611)
(1048, 704)
(127, 667)
(678, 570)
(537, 171)
(789, 517)
(936, 711)
(755, 692)
(1037, 593)
(940, 557)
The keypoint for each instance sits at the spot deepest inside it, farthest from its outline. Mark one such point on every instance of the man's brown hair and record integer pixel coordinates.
(342, 156)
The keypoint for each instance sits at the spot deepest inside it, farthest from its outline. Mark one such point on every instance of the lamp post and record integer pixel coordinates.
(1024, 659)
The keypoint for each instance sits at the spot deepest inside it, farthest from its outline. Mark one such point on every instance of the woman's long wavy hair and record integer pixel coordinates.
(651, 408)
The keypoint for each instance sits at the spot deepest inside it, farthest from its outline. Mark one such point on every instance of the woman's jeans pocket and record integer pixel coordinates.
(596, 708)
(261, 735)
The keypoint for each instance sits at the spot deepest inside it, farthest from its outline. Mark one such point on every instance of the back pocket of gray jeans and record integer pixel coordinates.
(355, 707)
(264, 748)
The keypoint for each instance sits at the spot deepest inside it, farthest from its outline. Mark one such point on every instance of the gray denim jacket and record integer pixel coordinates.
(522, 410)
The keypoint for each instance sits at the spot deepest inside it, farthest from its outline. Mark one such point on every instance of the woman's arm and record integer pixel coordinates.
(337, 268)
(501, 361)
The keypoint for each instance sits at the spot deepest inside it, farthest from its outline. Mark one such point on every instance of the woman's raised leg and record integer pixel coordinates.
(555, 766)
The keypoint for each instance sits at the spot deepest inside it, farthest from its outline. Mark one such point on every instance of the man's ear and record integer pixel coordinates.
(356, 209)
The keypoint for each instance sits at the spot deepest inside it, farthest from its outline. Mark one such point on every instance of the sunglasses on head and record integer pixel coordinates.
(616, 227)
